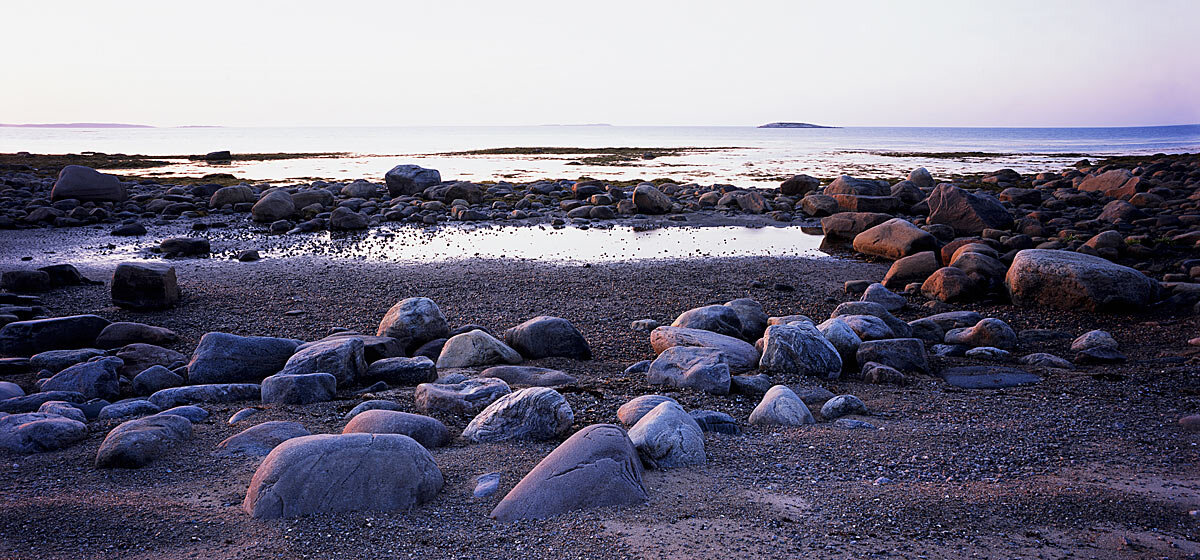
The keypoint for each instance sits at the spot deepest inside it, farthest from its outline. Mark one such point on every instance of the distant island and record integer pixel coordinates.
(76, 125)
(794, 125)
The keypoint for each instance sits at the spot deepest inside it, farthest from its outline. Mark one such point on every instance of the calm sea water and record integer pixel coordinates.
(753, 156)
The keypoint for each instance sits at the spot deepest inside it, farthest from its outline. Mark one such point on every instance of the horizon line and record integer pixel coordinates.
(115, 125)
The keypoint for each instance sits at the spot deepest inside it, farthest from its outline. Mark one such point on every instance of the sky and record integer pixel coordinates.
(647, 62)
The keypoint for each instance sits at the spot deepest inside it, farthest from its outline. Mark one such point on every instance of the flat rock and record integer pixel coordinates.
(212, 393)
(987, 377)
(402, 372)
(120, 334)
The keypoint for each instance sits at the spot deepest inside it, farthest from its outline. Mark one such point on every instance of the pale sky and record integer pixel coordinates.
(646, 62)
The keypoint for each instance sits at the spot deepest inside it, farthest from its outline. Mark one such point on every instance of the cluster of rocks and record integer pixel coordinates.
(1054, 240)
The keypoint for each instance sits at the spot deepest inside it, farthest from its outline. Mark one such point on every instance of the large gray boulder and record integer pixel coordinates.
(127, 409)
(37, 432)
(536, 413)
(299, 388)
(413, 322)
(715, 318)
(1069, 280)
(544, 337)
(274, 205)
(781, 407)
(144, 286)
(228, 358)
(408, 180)
(212, 393)
(330, 473)
(427, 431)
(596, 467)
(968, 213)
(26, 338)
(94, 380)
(703, 369)
(138, 442)
(340, 357)
(476, 348)
(467, 397)
(799, 348)
(668, 437)
(259, 440)
(739, 354)
(86, 185)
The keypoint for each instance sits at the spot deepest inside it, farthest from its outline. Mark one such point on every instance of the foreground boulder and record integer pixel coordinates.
(94, 380)
(86, 185)
(138, 442)
(667, 437)
(799, 348)
(337, 473)
(596, 467)
(781, 407)
(703, 369)
(144, 286)
(413, 322)
(341, 357)
(739, 354)
(259, 440)
(427, 431)
(968, 213)
(1069, 280)
(26, 338)
(536, 413)
(544, 337)
(467, 397)
(228, 358)
(37, 432)
(476, 348)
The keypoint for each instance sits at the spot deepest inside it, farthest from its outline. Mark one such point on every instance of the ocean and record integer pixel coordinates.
(748, 156)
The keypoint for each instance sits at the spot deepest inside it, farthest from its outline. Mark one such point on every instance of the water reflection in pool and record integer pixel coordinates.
(569, 244)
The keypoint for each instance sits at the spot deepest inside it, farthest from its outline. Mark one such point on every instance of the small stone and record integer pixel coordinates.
(842, 405)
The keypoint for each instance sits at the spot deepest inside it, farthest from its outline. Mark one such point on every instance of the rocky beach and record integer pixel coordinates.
(993, 365)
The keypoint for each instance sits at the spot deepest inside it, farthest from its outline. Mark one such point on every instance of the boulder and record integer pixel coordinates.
(138, 356)
(32, 402)
(536, 413)
(229, 196)
(126, 409)
(413, 322)
(405, 372)
(120, 334)
(715, 422)
(842, 405)
(543, 337)
(781, 407)
(184, 247)
(799, 185)
(667, 437)
(376, 404)
(843, 338)
(751, 316)
(703, 369)
(637, 407)
(1093, 339)
(867, 327)
(9, 390)
(214, 393)
(94, 380)
(340, 357)
(86, 185)
(153, 379)
(64, 409)
(228, 358)
(596, 467)
(879, 294)
(345, 219)
(137, 442)
(330, 473)
(299, 388)
(1069, 280)
(466, 397)
(529, 376)
(716, 318)
(894, 239)
(649, 200)
(949, 284)
(921, 178)
(274, 205)
(260, 439)
(741, 356)
(987, 332)
(845, 226)
(968, 213)
(25, 281)
(26, 338)
(900, 328)
(429, 432)
(846, 184)
(409, 180)
(1119, 211)
(144, 286)
(1044, 360)
(1108, 183)
(904, 354)
(475, 348)
(799, 349)
(55, 361)
(36, 432)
